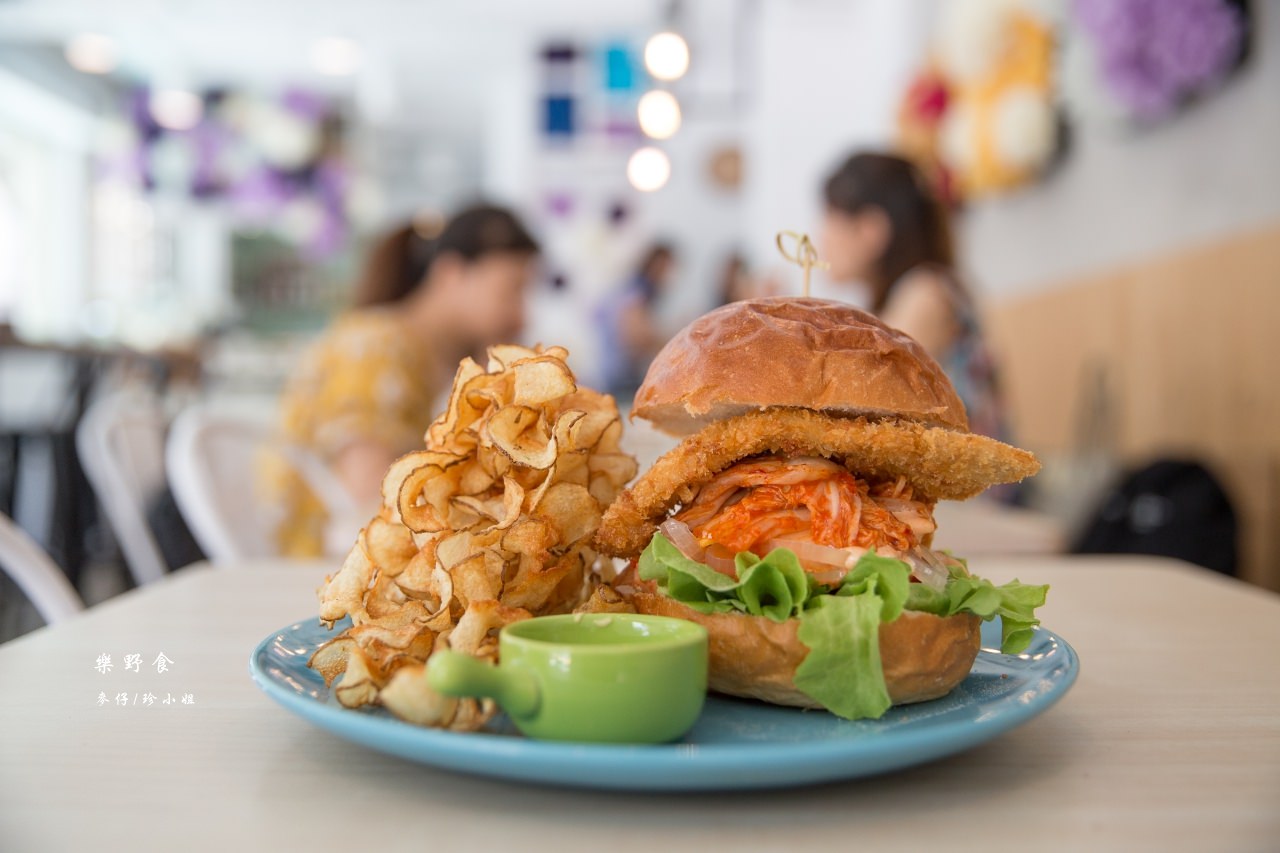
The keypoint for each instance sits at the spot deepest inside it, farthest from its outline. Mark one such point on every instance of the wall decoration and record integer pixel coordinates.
(1141, 61)
(273, 163)
(919, 119)
(981, 116)
(558, 116)
(724, 167)
(620, 72)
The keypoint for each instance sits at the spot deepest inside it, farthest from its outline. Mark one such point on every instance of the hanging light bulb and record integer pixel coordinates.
(175, 109)
(91, 53)
(335, 57)
(659, 114)
(666, 56)
(648, 169)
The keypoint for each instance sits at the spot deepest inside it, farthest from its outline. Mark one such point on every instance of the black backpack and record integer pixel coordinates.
(1169, 508)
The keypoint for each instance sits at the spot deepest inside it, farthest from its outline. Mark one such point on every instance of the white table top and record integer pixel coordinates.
(1169, 740)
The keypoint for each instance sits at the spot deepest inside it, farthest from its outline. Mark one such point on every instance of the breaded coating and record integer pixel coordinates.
(938, 463)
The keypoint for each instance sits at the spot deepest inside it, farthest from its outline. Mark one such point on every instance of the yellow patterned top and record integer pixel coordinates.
(368, 378)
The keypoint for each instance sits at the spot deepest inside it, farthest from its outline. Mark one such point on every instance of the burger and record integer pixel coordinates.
(794, 520)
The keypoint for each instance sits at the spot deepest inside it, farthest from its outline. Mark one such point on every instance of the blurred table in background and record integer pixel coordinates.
(976, 527)
(45, 389)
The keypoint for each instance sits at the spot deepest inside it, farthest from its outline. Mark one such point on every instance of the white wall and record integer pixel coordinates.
(702, 220)
(810, 81)
(1123, 196)
(44, 156)
(828, 76)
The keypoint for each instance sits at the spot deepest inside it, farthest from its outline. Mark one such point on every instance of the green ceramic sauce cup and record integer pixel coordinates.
(599, 677)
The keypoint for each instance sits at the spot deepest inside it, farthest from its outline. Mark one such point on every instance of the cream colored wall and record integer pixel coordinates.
(1191, 350)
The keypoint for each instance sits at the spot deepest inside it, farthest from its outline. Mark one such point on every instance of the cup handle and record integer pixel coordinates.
(455, 674)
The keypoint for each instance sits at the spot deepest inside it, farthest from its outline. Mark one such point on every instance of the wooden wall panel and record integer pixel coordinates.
(1190, 345)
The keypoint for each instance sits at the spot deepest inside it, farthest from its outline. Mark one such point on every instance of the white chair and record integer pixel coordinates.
(120, 441)
(212, 454)
(36, 574)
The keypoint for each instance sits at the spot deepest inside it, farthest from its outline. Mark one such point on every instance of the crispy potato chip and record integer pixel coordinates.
(388, 546)
(442, 584)
(415, 580)
(393, 481)
(477, 477)
(490, 523)
(470, 715)
(385, 597)
(535, 582)
(571, 509)
(447, 424)
(530, 537)
(330, 660)
(512, 503)
(356, 687)
(520, 432)
(503, 356)
(572, 468)
(481, 618)
(461, 516)
(409, 697)
(478, 577)
(540, 380)
(563, 428)
(618, 467)
(343, 594)
(424, 495)
(605, 599)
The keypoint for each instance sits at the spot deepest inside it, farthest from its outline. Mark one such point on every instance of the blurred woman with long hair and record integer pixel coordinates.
(885, 229)
(364, 393)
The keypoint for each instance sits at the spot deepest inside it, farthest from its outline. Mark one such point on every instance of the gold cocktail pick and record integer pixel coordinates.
(805, 256)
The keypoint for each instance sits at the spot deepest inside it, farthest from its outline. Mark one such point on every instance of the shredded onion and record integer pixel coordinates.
(928, 567)
(914, 514)
(720, 558)
(682, 537)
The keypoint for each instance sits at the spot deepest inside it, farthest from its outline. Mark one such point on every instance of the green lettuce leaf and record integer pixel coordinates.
(1014, 602)
(842, 670)
(839, 626)
(887, 577)
(776, 587)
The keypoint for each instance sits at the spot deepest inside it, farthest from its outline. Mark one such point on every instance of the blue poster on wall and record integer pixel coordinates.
(619, 68)
(558, 116)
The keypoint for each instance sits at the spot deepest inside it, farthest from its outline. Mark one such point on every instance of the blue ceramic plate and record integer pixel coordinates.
(735, 744)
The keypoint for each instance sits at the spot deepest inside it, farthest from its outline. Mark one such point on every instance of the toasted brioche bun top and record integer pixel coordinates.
(794, 352)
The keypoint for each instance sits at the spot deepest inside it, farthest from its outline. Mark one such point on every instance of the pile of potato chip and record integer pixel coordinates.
(491, 524)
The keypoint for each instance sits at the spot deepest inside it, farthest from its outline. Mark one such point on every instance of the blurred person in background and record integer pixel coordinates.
(628, 321)
(886, 231)
(365, 392)
(735, 280)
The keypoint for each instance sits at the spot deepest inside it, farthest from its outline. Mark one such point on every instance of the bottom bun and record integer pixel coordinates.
(923, 656)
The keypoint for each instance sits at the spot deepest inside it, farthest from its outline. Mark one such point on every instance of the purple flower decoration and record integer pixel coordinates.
(1154, 54)
(256, 192)
(306, 104)
(261, 195)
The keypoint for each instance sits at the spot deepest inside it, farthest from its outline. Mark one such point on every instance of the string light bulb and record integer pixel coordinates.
(335, 57)
(176, 109)
(659, 114)
(648, 169)
(91, 53)
(666, 56)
